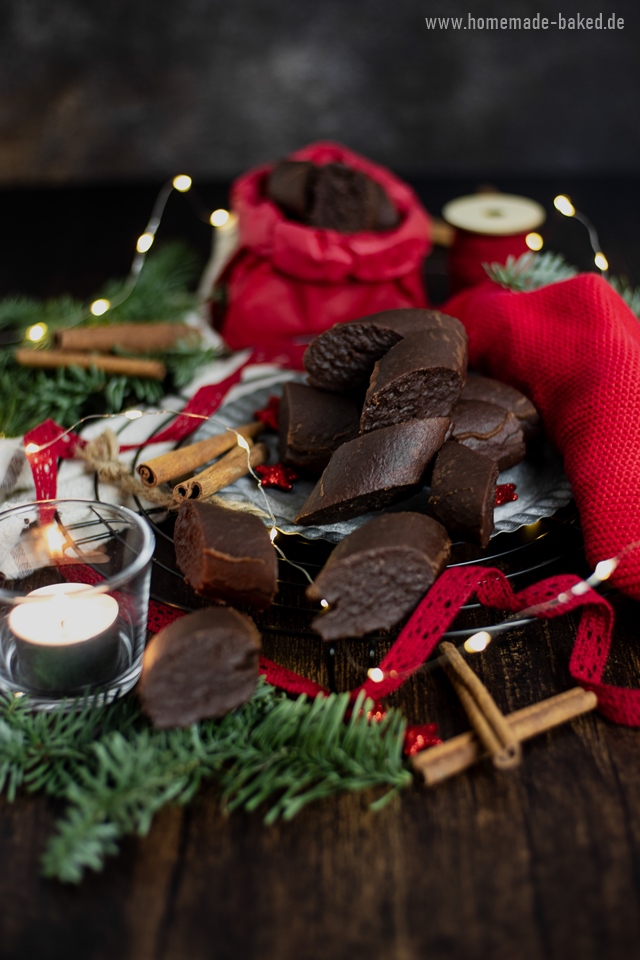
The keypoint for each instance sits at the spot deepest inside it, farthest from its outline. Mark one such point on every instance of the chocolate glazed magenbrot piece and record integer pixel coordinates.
(225, 554)
(463, 492)
(503, 395)
(374, 470)
(312, 424)
(489, 429)
(421, 376)
(202, 665)
(378, 574)
(342, 358)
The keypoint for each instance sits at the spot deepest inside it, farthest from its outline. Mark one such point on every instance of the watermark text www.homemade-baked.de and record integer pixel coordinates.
(537, 22)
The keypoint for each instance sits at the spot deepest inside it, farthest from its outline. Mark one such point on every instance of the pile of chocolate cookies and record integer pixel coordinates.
(388, 408)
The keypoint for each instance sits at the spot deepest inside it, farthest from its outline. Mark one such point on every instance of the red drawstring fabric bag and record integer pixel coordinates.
(574, 348)
(290, 280)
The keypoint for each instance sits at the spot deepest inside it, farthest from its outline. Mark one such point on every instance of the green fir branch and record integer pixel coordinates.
(530, 271)
(116, 772)
(66, 395)
(630, 295)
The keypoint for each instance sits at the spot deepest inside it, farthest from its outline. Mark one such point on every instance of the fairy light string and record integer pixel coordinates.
(181, 183)
(563, 205)
(480, 640)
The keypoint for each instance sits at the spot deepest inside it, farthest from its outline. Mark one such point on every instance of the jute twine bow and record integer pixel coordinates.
(101, 455)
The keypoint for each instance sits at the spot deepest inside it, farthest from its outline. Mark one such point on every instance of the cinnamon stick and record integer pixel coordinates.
(230, 468)
(484, 715)
(185, 460)
(138, 337)
(127, 366)
(461, 752)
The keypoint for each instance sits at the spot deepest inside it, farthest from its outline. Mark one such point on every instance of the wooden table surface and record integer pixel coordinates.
(539, 862)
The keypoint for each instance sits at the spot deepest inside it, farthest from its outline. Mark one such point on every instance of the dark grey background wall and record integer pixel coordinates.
(127, 89)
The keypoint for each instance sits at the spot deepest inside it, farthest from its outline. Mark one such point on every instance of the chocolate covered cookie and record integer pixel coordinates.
(463, 492)
(202, 665)
(225, 554)
(374, 470)
(489, 429)
(342, 358)
(312, 424)
(493, 391)
(378, 574)
(421, 376)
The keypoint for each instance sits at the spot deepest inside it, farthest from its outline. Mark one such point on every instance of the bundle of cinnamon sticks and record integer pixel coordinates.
(494, 734)
(91, 346)
(240, 456)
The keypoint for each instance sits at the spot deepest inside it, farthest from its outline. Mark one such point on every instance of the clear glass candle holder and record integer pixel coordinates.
(74, 598)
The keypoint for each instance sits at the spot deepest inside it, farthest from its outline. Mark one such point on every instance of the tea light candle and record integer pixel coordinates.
(66, 642)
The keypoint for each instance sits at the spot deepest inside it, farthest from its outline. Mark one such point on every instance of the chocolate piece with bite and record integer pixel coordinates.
(374, 470)
(420, 377)
(202, 665)
(225, 554)
(489, 429)
(505, 396)
(313, 424)
(463, 492)
(378, 574)
(289, 184)
(342, 358)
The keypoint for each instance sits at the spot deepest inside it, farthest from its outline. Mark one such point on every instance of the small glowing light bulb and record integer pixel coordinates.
(601, 261)
(182, 182)
(36, 332)
(133, 414)
(243, 443)
(219, 217)
(98, 307)
(31, 448)
(375, 674)
(273, 533)
(605, 568)
(563, 204)
(144, 242)
(478, 642)
(324, 604)
(534, 241)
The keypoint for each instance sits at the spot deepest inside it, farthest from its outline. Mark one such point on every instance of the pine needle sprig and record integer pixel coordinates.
(42, 752)
(161, 291)
(304, 751)
(630, 295)
(272, 751)
(66, 395)
(530, 271)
